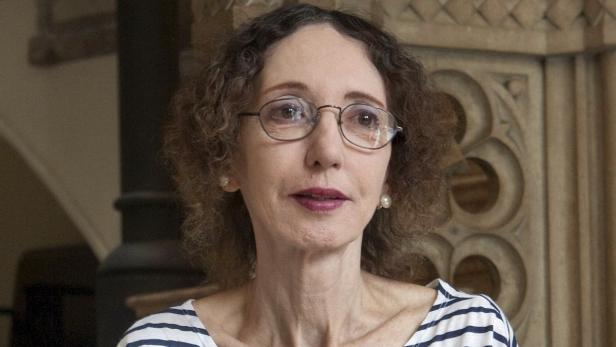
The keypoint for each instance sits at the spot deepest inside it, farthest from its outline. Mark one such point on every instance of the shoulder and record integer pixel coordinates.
(175, 324)
(223, 312)
(457, 318)
(401, 294)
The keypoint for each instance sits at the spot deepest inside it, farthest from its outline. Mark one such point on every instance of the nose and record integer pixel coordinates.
(325, 147)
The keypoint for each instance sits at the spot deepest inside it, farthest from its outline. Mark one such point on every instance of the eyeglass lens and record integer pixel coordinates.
(294, 118)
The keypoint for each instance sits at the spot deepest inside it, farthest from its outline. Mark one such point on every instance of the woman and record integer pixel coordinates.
(308, 156)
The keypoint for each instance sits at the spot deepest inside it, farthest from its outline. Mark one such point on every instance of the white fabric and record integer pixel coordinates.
(455, 319)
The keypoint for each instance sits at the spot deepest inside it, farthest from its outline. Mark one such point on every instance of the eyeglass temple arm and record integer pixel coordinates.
(248, 114)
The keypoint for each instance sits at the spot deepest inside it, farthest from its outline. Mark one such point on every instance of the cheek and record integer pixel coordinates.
(251, 158)
(378, 169)
(377, 181)
(264, 166)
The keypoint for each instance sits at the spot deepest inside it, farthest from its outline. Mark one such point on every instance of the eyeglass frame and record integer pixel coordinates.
(396, 129)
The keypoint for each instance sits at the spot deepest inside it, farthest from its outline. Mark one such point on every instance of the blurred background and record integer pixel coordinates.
(59, 168)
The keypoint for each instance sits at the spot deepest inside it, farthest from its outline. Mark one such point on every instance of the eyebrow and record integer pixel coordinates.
(302, 87)
(287, 85)
(364, 96)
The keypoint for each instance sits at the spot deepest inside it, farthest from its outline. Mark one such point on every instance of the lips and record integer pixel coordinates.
(320, 199)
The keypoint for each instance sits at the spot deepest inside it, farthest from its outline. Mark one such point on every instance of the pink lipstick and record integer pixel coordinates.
(320, 199)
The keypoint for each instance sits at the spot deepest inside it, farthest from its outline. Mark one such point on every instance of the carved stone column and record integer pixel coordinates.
(562, 203)
(608, 71)
(590, 206)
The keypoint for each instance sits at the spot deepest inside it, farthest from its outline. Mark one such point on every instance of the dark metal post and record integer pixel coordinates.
(149, 258)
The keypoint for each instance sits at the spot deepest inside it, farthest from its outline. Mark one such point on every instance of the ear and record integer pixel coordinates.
(232, 185)
(385, 189)
(229, 183)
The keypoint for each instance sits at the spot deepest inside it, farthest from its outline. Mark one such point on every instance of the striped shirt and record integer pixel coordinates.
(455, 319)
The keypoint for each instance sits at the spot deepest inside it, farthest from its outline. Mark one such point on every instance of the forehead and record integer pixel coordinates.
(329, 63)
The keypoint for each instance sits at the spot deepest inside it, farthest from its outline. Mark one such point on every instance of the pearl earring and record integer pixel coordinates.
(224, 180)
(385, 201)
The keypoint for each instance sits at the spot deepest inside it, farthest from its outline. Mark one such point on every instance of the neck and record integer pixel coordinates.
(306, 298)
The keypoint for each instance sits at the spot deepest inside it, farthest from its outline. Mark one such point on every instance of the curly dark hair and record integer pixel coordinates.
(201, 139)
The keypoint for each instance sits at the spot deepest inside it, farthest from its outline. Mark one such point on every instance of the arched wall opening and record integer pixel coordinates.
(31, 219)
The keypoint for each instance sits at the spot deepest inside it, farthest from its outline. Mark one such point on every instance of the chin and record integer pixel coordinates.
(321, 239)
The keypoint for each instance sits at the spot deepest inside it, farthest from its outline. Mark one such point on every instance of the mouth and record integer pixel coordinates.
(320, 199)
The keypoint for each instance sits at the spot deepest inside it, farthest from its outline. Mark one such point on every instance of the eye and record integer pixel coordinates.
(289, 112)
(285, 112)
(366, 118)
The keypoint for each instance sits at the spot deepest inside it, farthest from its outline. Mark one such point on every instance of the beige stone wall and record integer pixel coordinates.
(63, 120)
(536, 84)
(30, 218)
(59, 156)
(502, 101)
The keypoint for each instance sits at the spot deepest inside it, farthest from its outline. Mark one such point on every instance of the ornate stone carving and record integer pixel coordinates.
(528, 26)
(426, 9)
(563, 14)
(460, 10)
(493, 11)
(522, 26)
(500, 241)
(527, 13)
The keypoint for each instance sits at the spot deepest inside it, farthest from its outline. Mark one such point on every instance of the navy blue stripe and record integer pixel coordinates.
(493, 305)
(447, 303)
(181, 312)
(500, 338)
(168, 326)
(152, 342)
(456, 333)
(445, 293)
(457, 313)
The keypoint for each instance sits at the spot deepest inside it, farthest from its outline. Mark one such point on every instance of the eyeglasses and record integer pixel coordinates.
(292, 118)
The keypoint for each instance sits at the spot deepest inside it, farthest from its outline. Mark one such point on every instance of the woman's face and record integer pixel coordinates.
(319, 192)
